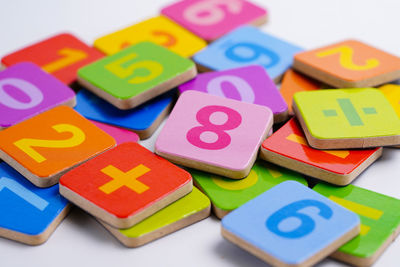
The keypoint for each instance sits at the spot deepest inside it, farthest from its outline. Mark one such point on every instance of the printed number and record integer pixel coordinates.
(203, 117)
(243, 88)
(154, 69)
(170, 40)
(210, 12)
(23, 193)
(256, 52)
(292, 211)
(346, 58)
(77, 138)
(69, 56)
(34, 94)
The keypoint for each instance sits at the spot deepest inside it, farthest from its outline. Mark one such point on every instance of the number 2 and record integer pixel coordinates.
(210, 12)
(203, 117)
(292, 211)
(26, 144)
(34, 94)
(346, 58)
(154, 68)
(256, 52)
(242, 86)
(23, 193)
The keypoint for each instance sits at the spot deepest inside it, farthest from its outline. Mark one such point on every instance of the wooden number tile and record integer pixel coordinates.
(380, 222)
(187, 210)
(44, 147)
(125, 185)
(120, 135)
(248, 84)
(61, 55)
(293, 82)
(248, 45)
(136, 74)
(288, 147)
(211, 19)
(26, 90)
(349, 64)
(214, 134)
(159, 30)
(143, 120)
(290, 225)
(347, 118)
(228, 194)
(28, 214)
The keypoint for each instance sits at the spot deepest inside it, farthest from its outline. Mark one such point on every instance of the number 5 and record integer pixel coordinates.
(154, 69)
(292, 211)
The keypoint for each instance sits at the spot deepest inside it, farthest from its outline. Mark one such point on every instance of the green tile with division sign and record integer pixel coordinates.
(347, 118)
(380, 221)
(228, 194)
(136, 74)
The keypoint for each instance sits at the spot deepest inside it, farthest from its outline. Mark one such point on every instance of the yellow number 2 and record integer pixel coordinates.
(26, 144)
(153, 68)
(346, 58)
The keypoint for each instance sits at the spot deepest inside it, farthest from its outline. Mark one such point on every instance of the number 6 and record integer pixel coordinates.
(292, 211)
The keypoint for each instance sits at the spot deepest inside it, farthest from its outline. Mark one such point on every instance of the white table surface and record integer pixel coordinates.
(80, 240)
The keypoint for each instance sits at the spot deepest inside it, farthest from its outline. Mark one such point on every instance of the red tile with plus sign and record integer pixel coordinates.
(125, 185)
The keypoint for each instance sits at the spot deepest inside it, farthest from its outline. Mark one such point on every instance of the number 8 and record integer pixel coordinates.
(291, 211)
(203, 117)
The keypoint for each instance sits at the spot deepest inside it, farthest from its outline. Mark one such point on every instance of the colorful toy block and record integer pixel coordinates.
(227, 194)
(214, 134)
(28, 214)
(349, 64)
(120, 135)
(290, 225)
(347, 118)
(125, 185)
(159, 30)
(293, 82)
(248, 84)
(46, 146)
(380, 222)
(187, 210)
(248, 45)
(288, 148)
(136, 74)
(392, 94)
(211, 19)
(26, 90)
(61, 55)
(143, 120)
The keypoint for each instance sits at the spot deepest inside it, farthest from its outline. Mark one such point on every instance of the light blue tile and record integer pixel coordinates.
(248, 45)
(290, 222)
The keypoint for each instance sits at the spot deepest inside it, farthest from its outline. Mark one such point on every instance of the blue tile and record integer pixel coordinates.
(25, 208)
(245, 46)
(137, 119)
(290, 222)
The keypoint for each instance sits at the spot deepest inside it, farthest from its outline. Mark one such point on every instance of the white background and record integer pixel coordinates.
(80, 240)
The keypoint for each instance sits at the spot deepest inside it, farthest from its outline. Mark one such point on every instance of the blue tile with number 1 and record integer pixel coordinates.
(290, 225)
(26, 211)
(248, 45)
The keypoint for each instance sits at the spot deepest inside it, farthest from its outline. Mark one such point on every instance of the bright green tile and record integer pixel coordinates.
(134, 70)
(190, 204)
(379, 215)
(228, 194)
(347, 113)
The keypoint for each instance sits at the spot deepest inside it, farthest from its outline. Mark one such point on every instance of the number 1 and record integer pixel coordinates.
(23, 193)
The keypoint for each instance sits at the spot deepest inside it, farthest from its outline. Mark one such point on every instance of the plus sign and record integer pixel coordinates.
(128, 179)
